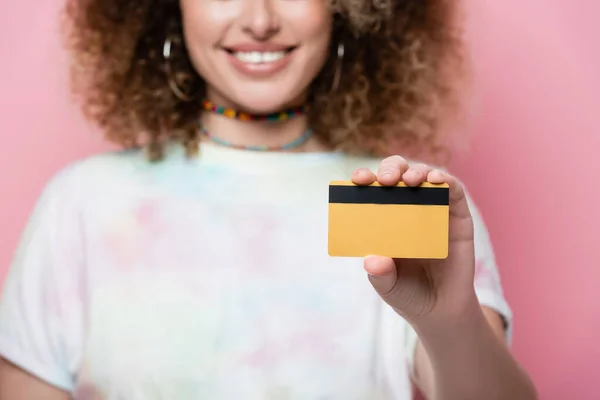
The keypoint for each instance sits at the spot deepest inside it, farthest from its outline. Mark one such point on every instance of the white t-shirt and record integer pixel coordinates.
(205, 278)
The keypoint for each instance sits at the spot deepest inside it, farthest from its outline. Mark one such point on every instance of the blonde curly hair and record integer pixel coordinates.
(399, 76)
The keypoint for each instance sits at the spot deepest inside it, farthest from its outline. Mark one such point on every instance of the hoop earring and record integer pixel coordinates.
(338, 67)
(177, 91)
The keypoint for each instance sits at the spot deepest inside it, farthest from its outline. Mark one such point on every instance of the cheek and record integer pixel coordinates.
(310, 22)
(202, 26)
(316, 35)
(320, 32)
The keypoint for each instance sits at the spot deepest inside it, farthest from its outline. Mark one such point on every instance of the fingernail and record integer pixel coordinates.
(367, 258)
(439, 173)
(413, 172)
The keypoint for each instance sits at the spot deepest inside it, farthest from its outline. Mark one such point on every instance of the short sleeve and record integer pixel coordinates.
(488, 285)
(39, 303)
(487, 282)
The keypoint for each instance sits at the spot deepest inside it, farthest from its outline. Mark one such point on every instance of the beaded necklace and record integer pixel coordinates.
(273, 117)
(286, 147)
(235, 114)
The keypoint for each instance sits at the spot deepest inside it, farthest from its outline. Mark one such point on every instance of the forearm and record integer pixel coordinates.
(466, 360)
(16, 384)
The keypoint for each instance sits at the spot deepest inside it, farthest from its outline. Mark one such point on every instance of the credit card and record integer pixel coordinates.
(392, 221)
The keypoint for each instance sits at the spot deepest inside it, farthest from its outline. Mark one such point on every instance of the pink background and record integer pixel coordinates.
(532, 167)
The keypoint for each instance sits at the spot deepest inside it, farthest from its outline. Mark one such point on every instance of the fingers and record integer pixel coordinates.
(391, 170)
(458, 201)
(416, 174)
(363, 176)
(394, 169)
(382, 274)
(389, 173)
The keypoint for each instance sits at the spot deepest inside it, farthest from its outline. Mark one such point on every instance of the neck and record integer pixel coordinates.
(258, 133)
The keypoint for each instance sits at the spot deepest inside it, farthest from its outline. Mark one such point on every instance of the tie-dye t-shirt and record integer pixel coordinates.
(205, 278)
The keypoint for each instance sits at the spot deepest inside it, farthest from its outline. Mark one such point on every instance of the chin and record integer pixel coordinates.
(266, 100)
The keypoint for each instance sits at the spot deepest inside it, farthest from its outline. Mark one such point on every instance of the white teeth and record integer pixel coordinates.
(257, 57)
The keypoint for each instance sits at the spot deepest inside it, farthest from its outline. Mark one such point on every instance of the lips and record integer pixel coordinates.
(258, 60)
(257, 55)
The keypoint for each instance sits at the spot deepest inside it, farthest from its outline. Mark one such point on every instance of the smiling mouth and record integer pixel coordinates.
(260, 57)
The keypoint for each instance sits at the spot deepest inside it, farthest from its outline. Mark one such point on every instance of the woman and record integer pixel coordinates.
(193, 265)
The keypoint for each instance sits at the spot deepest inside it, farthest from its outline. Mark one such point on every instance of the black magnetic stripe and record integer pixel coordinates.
(389, 195)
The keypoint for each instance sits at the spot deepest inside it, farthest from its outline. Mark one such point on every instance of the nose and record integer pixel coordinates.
(259, 19)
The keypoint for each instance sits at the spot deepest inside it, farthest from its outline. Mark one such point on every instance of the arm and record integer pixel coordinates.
(16, 384)
(39, 305)
(460, 356)
(470, 361)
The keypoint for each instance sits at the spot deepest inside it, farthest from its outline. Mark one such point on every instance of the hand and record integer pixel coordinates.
(426, 291)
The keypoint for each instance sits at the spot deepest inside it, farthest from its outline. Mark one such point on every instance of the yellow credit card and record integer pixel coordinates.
(392, 221)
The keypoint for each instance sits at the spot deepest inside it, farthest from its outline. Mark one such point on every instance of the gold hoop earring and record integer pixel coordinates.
(338, 67)
(177, 91)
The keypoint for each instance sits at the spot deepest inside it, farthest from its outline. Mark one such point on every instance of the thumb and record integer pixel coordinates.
(383, 274)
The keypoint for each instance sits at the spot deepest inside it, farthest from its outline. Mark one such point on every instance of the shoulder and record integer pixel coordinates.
(91, 171)
(107, 172)
(69, 189)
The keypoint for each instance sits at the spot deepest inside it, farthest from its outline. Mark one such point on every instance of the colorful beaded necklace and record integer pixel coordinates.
(235, 114)
(286, 147)
(273, 117)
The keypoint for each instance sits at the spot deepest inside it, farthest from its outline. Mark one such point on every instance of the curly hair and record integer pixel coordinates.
(398, 83)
